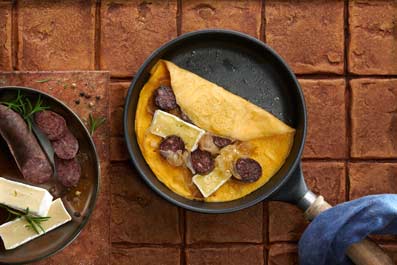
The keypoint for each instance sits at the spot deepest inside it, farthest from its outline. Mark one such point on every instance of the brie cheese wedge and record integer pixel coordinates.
(16, 233)
(20, 196)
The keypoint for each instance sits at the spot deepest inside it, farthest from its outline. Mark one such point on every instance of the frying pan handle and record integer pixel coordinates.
(365, 252)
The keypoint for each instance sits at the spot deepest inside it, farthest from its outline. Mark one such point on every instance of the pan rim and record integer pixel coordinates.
(96, 190)
(128, 139)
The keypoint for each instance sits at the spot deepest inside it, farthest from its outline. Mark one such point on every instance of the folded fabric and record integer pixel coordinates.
(329, 235)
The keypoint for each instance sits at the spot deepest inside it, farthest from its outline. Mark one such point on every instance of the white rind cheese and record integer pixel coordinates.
(208, 184)
(165, 124)
(20, 196)
(16, 232)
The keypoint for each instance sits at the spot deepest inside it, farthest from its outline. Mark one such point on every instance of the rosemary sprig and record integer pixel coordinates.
(34, 222)
(24, 106)
(95, 123)
(43, 80)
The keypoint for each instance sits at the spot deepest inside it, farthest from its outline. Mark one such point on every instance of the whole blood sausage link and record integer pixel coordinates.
(24, 147)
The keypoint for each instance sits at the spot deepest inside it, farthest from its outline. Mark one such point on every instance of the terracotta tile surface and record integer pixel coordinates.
(351, 146)
(372, 178)
(130, 31)
(242, 226)
(146, 256)
(56, 35)
(286, 222)
(118, 149)
(139, 215)
(308, 34)
(92, 246)
(374, 118)
(117, 94)
(237, 255)
(283, 254)
(326, 136)
(373, 46)
(5, 37)
(244, 16)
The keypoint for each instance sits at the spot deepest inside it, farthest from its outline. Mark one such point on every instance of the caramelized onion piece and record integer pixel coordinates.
(207, 144)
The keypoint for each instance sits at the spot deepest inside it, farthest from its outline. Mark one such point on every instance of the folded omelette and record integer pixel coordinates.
(254, 132)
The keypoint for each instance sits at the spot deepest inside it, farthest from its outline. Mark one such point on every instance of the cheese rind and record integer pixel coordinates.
(16, 233)
(21, 196)
(165, 124)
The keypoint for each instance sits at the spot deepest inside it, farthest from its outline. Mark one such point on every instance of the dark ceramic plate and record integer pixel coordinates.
(79, 207)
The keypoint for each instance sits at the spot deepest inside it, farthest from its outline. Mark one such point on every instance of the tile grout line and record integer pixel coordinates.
(179, 18)
(348, 97)
(262, 29)
(14, 36)
(108, 167)
(265, 230)
(183, 227)
(97, 37)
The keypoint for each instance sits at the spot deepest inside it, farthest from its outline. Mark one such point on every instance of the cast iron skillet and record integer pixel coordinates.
(58, 239)
(251, 69)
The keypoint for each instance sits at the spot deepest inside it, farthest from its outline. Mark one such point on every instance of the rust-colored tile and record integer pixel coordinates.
(372, 178)
(236, 255)
(283, 254)
(116, 121)
(244, 16)
(131, 31)
(145, 256)
(308, 34)
(241, 226)
(56, 35)
(138, 214)
(92, 246)
(374, 118)
(286, 222)
(117, 95)
(326, 135)
(373, 43)
(5, 37)
(68, 86)
(118, 149)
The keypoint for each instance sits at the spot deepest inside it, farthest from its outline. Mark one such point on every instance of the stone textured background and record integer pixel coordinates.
(344, 54)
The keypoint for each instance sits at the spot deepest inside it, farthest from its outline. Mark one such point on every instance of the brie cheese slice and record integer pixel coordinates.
(16, 233)
(21, 196)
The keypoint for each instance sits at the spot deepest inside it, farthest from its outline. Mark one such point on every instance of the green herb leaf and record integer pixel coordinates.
(95, 123)
(25, 108)
(34, 222)
(43, 80)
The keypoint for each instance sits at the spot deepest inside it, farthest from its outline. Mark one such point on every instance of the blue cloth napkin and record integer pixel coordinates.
(326, 239)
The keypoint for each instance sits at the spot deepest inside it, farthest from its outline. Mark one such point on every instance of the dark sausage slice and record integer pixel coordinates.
(69, 171)
(247, 170)
(24, 147)
(172, 143)
(164, 98)
(172, 148)
(66, 147)
(51, 124)
(220, 141)
(202, 162)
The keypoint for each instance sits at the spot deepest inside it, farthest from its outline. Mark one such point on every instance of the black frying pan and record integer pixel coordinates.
(251, 69)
